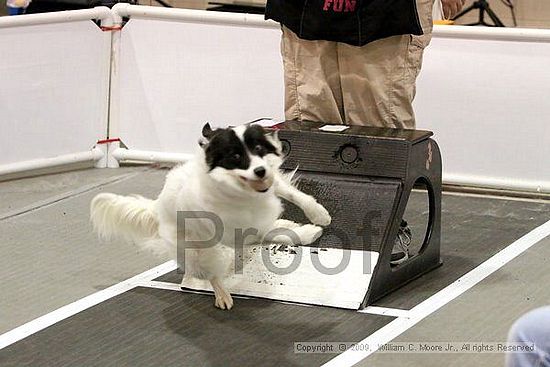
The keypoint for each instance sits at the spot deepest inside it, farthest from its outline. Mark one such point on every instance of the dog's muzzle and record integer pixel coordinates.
(259, 185)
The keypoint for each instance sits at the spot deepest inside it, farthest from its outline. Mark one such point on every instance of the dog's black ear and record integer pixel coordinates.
(207, 134)
(207, 131)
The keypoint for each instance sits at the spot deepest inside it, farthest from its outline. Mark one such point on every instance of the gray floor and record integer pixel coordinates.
(483, 314)
(19, 196)
(49, 257)
(152, 327)
(472, 230)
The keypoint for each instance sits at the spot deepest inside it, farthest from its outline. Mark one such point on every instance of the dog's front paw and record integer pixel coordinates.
(223, 300)
(317, 214)
(309, 233)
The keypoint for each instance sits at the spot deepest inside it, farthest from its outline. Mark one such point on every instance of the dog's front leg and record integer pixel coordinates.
(314, 211)
(290, 233)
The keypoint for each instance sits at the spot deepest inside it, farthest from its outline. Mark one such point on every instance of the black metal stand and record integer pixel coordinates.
(364, 177)
(483, 7)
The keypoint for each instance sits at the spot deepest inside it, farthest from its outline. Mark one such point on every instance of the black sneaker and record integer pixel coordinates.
(400, 252)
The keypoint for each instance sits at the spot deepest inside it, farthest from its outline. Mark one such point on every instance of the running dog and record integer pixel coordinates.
(236, 176)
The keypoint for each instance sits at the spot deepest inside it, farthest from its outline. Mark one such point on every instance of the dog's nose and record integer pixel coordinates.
(259, 171)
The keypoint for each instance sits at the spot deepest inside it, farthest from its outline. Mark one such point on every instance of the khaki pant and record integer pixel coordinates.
(371, 85)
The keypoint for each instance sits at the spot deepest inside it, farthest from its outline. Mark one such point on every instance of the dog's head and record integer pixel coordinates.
(245, 157)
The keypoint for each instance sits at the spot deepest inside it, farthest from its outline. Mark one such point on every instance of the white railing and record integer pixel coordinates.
(492, 33)
(460, 164)
(42, 123)
(189, 15)
(122, 154)
(101, 13)
(94, 155)
(170, 133)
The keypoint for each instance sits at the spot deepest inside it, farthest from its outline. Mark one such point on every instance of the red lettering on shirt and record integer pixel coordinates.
(340, 5)
(350, 5)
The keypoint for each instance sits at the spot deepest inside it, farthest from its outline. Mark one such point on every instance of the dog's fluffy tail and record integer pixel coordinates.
(132, 218)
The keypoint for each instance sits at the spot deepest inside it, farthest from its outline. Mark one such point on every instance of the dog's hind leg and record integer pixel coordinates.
(314, 211)
(211, 264)
(223, 299)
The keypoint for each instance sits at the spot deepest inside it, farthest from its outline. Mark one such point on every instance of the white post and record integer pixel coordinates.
(102, 162)
(112, 161)
(113, 130)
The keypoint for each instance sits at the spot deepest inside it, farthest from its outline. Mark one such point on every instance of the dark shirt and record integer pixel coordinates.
(356, 22)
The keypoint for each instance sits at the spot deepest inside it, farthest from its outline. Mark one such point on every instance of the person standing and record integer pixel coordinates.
(355, 62)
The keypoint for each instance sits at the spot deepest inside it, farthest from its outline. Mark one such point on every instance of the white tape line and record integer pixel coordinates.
(386, 311)
(441, 298)
(162, 285)
(493, 196)
(71, 309)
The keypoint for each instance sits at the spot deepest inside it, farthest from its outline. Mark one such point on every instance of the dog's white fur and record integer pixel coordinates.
(227, 193)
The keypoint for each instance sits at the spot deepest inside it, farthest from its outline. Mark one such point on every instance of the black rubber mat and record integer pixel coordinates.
(473, 230)
(152, 327)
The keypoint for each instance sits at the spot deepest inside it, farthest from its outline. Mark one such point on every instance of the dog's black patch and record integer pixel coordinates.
(256, 142)
(226, 150)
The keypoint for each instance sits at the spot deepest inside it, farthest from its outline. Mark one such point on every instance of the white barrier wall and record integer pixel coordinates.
(53, 88)
(482, 92)
(485, 93)
(175, 76)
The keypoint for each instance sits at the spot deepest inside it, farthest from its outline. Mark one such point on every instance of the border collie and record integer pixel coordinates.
(235, 176)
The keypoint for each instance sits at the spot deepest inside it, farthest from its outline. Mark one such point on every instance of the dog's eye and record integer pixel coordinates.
(236, 157)
(258, 149)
